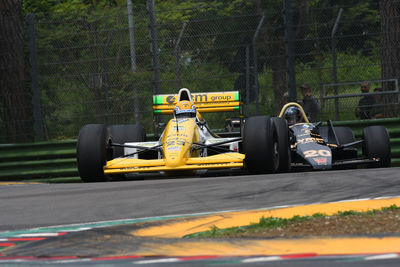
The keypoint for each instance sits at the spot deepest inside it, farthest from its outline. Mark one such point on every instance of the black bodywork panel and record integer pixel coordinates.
(321, 150)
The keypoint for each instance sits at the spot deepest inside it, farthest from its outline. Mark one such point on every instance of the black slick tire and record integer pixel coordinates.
(125, 133)
(344, 135)
(377, 144)
(282, 132)
(91, 152)
(259, 137)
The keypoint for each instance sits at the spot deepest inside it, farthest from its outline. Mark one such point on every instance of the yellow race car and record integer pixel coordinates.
(185, 146)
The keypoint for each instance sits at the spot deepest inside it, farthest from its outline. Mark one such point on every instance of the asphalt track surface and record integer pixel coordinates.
(39, 205)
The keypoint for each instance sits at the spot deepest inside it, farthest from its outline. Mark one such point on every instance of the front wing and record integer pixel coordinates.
(340, 163)
(129, 165)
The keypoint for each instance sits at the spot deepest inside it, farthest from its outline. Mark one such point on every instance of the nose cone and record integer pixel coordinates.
(321, 163)
(177, 141)
(318, 156)
(173, 157)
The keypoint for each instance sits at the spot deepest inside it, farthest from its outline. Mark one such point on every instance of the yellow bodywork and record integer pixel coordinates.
(177, 153)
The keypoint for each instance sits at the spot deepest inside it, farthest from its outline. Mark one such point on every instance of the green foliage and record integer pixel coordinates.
(392, 207)
(85, 26)
(192, 9)
(347, 213)
(51, 8)
(214, 229)
(318, 215)
(37, 6)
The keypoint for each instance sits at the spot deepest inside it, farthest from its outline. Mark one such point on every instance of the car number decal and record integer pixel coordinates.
(316, 153)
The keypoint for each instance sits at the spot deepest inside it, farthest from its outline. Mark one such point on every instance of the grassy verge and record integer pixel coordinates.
(314, 222)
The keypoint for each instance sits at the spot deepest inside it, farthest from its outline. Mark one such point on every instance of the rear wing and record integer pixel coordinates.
(204, 102)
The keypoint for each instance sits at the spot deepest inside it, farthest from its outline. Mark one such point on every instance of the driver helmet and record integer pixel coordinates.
(293, 115)
(184, 109)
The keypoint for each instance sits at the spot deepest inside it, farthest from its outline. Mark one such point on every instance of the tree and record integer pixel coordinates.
(390, 55)
(274, 41)
(14, 95)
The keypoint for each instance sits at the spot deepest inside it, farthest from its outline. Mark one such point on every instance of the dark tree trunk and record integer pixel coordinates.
(279, 81)
(274, 49)
(13, 93)
(390, 55)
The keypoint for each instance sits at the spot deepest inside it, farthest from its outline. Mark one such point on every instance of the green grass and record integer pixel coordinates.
(274, 222)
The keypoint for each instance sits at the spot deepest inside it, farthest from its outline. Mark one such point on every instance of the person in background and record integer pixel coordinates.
(365, 105)
(285, 99)
(378, 111)
(309, 103)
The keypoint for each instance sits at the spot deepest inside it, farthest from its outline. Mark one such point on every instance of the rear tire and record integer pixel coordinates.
(259, 145)
(377, 144)
(125, 133)
(91, 152)
(282, 132)
(345, 135)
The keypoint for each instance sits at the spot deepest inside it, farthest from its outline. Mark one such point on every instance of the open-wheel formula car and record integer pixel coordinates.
(185, 146)
(263, 145)
(302, 144)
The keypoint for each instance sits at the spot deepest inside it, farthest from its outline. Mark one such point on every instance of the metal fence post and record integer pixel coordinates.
(290, 53)
(133, 59)
(333, 46)
(37, 114)
(154, 46)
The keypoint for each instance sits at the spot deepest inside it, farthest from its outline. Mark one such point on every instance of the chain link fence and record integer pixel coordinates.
(105, 68)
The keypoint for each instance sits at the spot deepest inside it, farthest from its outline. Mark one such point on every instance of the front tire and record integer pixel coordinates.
(259, 139)
(91, 152)
(377, 144)
(282, 132)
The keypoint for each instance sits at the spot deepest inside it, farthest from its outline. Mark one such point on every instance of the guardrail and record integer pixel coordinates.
(38, 160)
(58, 159)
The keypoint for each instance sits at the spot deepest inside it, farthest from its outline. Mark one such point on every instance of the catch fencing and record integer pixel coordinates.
(104, 67)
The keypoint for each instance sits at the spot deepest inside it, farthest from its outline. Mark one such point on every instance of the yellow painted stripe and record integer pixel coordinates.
(240, 247)
(185, 226)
